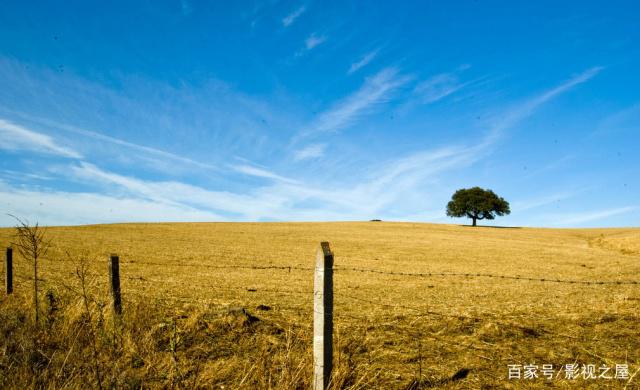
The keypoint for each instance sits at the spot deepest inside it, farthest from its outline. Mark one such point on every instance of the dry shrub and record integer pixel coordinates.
(205, 347)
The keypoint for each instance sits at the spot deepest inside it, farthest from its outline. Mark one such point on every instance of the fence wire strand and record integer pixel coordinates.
(486, 275)
(298, 267)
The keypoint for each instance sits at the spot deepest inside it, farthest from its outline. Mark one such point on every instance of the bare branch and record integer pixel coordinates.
(32, 244)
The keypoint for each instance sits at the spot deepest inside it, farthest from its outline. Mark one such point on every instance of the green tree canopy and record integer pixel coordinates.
(477, 203)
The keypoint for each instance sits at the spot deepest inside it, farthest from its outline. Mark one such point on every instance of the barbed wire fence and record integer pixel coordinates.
(323, 294)
(380, 272)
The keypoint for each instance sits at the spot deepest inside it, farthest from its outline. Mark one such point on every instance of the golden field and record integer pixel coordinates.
(391, 331)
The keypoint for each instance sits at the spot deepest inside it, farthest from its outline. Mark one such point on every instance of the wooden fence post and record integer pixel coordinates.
(8, 273)
(323, 318)
(114, 276)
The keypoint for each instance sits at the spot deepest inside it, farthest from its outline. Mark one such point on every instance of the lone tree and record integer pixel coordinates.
(477, 203)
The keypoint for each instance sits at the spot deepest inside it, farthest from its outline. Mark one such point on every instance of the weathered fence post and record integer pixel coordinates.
(114, 276)
(323, 318)
(8, 273)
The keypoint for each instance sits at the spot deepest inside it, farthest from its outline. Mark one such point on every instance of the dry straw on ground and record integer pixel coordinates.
(202, 308)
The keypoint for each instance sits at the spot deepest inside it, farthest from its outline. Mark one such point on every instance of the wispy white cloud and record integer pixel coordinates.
(524, 110)
(281, 201)
(130, 145)
(362, 62)
(260, 172)
(289, 19)
(178, 194)
(437, 87)
(22, 176)
(532, 203)
(22, 138)
(572, 219)
(376, 90)
(393, 187)
(314, 40)
(310, 152)
(15, 137)
(549, 166)
(393, 183)
(160, 124)
(72, 208)
(627, 119)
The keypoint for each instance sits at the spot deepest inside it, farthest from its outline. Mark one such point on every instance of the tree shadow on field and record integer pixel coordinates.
(492, 227)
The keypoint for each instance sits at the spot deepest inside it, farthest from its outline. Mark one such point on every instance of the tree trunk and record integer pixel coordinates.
(474, 221)
(35, 287)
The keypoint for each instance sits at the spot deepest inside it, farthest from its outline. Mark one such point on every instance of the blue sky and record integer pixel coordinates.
(313, 111)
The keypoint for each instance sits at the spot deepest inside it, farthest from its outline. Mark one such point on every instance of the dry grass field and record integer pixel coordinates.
(391, 331)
